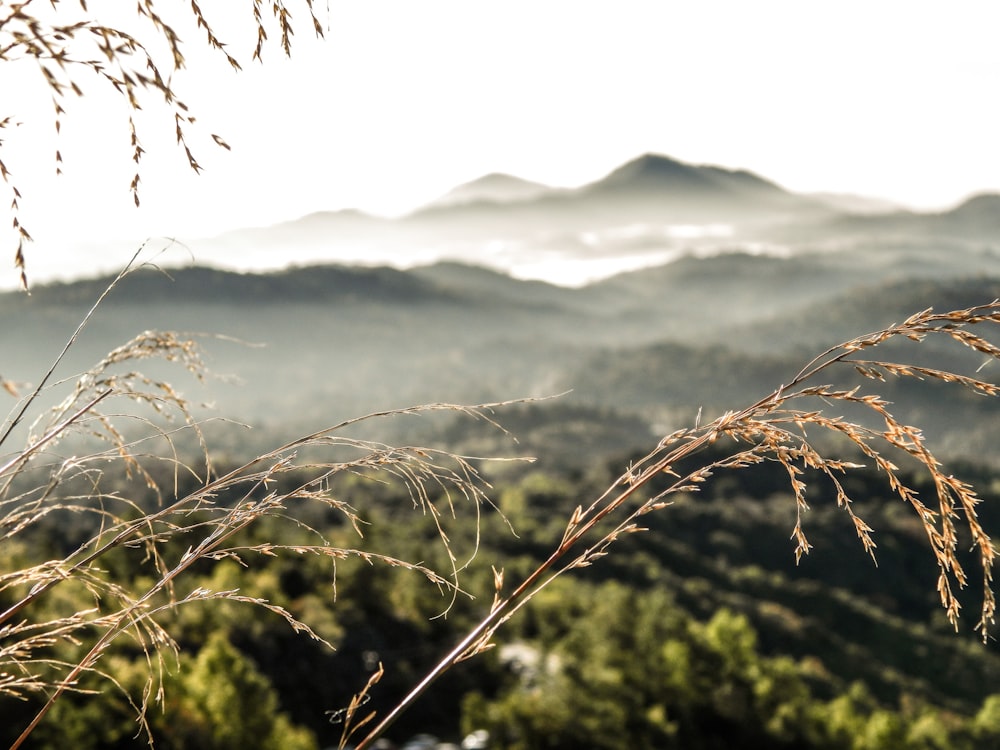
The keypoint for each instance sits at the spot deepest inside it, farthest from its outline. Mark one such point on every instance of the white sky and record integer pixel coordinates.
(408, 98)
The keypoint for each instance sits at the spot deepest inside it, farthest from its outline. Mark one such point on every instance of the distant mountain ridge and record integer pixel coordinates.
(492, 188)
(982, 209)
(652, 187)
(319, 284)
(977, 219)
(658, 173)
(643, 213)
(346, 339)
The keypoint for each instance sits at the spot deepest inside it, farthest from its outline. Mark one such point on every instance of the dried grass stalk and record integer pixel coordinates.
(174, 531)
(74, 48)
(776, 428)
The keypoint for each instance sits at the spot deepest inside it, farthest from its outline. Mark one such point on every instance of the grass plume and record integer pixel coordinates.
(776, 428)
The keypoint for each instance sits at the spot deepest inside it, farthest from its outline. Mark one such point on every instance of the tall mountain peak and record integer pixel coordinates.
(649, 168)
(659, 173)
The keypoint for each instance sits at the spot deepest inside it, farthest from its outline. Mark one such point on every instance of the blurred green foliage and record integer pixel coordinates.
(700, 633)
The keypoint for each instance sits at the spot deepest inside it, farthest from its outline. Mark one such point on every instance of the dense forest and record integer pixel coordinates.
(701, 631)
(698, 633)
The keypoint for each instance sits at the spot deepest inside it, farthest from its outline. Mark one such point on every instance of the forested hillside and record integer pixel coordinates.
(706, 334)
(701, 631)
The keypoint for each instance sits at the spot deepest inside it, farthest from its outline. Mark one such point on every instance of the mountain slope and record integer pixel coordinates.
(196, 284)
(646, 211)
(655, 174)
(492, 188)
(651, 188)
(712, 332)
(977, 220)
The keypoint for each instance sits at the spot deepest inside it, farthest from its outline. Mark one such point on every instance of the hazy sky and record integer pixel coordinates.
(406, 98)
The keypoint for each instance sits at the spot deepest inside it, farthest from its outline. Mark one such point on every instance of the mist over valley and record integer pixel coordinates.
(737, 283)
